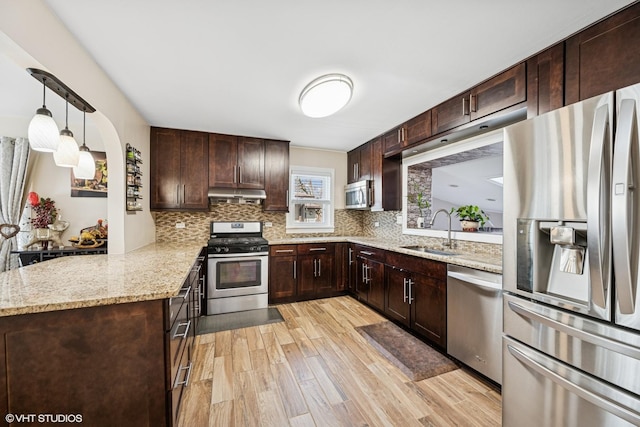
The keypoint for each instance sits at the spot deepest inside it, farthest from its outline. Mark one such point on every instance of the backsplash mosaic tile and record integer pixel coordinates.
(347, 223)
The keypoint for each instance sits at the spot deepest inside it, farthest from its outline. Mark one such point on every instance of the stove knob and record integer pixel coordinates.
(253, 248)
(225, 249)
(218, 250)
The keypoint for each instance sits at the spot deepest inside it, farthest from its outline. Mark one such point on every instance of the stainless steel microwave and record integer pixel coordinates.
(359, 195)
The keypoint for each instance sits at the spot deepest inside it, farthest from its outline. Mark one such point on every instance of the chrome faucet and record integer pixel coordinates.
(433, 218)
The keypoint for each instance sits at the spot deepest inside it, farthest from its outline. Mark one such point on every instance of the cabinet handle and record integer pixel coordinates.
(235, 175)
(319, 267)
(473, 103)
(409, 285)
(400, 135)
(186, 293)
(187, 325)
(186, 380)
(280, 251)
(314, 267)
(178, 194)
(287, 199)
(317, 249)
(464, 107)
(404, 288)
(364, 273)
(239, 174)
(184, 193)
(367, 253)
(350, 256)
(357, 175)
(295, 264)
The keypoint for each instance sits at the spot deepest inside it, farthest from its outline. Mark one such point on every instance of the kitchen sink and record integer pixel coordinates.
(429, 250)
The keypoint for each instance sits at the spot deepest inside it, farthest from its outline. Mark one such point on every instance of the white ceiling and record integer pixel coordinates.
(238, 66)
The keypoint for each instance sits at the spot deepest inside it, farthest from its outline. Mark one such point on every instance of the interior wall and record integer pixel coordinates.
(25, 25)
(336, 160)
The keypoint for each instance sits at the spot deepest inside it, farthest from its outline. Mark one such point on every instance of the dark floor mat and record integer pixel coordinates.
(237, 320)
(413, 357)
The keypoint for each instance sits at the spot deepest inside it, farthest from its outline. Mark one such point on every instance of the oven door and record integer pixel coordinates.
(232, 275)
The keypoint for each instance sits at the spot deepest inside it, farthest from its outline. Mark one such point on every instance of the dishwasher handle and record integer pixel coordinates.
(470, 278)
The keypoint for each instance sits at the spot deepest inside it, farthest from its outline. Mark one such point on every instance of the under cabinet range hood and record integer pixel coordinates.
(236, 195)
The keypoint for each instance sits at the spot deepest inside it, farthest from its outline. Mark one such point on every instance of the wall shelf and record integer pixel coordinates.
(134, 179)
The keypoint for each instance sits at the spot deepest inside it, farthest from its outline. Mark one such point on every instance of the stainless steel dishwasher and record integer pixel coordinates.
(474, 319)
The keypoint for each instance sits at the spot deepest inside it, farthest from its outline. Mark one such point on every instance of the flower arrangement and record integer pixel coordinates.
(44, 209)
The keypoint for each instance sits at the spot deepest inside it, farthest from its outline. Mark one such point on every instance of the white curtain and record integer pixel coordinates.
(14, 158)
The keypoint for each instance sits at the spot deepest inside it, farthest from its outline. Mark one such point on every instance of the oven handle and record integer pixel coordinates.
(240, 255)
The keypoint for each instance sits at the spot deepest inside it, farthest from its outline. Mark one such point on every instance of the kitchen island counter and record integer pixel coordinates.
(155, 271)
(480, 261)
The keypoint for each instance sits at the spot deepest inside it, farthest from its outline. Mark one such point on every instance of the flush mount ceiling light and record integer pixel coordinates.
(43, 131)
(86, 168)
(326, 95)
(68, 154)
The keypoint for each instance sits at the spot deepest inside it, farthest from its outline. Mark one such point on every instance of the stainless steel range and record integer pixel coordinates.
(238, 267)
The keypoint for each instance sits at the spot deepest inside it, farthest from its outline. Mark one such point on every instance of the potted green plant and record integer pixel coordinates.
(419, 197)
(471, 217)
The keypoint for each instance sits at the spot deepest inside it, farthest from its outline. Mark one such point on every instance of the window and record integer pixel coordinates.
(311, 200)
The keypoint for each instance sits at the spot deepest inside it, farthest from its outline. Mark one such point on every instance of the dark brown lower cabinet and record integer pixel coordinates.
(416, 295)
(121, 364)
(369, 286)
(304, 271)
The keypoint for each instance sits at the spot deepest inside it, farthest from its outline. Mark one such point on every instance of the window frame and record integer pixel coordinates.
(292, 226)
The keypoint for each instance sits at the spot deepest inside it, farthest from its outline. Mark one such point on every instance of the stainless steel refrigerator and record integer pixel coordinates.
(571, 325)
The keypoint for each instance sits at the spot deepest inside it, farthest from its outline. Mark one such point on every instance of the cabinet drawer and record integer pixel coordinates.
(435, 269)
(174, 305)
(179, 381)
(178, 336)
(283, 250)
(370, 253)
(316, 248)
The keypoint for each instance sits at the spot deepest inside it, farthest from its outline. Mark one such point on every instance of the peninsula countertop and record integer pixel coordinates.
(155, 271)
(480, 261)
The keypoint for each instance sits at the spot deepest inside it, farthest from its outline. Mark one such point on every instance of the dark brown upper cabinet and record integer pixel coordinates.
(415, 130)
(604, 57)
(498, 93)
(359, 163)
(236, 162)
(276, 176)
(178, 169)
(545, 81)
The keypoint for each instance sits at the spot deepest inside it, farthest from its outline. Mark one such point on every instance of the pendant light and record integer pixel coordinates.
(68, 154)
(43, 131)
(86, 168)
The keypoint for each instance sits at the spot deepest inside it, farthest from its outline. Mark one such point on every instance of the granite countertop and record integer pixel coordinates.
(480, 261)
(155, 271)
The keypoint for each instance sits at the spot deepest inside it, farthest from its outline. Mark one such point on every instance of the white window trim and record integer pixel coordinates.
(292, 227)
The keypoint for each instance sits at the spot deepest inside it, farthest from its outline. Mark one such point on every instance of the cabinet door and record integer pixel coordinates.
(223, 160)
(429, 308)
(450, 114)
(376, 284)
(165, 168)
(250, 163)
(545, 81)
(364, 170)
(396, 302)
(604, 57)
(376, 173)
(361, 285)
(353, 160)
(417, 129)
(307, 278)
(194, 167)
(500, 92)
(276, 176)
(393, 141)
(282, 278)
(325, 283)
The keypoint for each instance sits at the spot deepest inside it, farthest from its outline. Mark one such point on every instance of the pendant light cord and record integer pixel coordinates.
(84, 127)
(66, 120)
(44, 92)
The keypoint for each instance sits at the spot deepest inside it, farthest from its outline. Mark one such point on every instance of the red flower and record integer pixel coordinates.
(33, 198)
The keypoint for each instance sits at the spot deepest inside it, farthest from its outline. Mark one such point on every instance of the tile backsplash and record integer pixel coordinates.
(347, 223)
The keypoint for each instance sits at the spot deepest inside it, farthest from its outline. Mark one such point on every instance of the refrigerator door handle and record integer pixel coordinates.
(598, 196)
(597, 340)
(591, 396)
(625, 250)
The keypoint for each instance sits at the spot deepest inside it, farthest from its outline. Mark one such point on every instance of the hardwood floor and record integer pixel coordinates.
(315, 369)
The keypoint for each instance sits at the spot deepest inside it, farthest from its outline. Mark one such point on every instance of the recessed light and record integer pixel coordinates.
(326, 95)
(444, 140)
(491, 200)
(454, 185)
